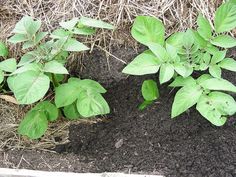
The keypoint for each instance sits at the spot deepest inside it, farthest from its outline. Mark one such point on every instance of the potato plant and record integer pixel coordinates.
(201, 51)
(43, 65)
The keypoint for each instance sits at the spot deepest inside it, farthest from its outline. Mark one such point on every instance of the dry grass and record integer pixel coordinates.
(176, 15)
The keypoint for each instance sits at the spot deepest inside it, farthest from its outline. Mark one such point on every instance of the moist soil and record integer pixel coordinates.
(133, 141)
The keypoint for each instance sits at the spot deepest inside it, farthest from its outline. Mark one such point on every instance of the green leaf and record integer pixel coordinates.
(69, 25)
(159, 51)
(59, 33)
(185, 98)
(171, 51)
(28, 67)
(224, 41)
(145, 63)
(88, 84)
(1, 76)
(34, 124)
(223, 102)
(72, 45)
(199, 39)
(183, 69)
(27, 58)
(225, 17)
(147, 30)
(208, 111)
(181, 81)
(166, 73)
(203, 78)
(144, 104)
(8, 65)
(176, 40)
(17, 38)
(3, 50)
(150, 90)
(55, 67)
(84, 30)
(71, 112)
(29, 87)
(215, 71)
(188, 39)
(218, 56)
(91, 104)
(218, 84)
(229, 64)
(204, 28)
(27, 26)
(49, 109)
(95, 23)
(66, 94)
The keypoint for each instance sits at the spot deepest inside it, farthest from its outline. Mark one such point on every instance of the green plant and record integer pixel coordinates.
(184, 53)
(44, 63)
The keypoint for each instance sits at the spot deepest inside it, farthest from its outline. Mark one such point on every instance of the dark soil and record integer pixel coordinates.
(148, 141)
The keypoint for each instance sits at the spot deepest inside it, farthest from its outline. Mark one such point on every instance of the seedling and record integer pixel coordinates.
(184, 53)
(43, 65)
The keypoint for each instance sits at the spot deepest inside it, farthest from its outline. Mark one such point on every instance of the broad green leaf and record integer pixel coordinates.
(224, 41)
(225, 17)
(147, 30)
(59, 33)
(188, 39)
(28, 67)
(215, 71)
(181, 81)
(49, 109)
(172, 51)
(199, 39)
(34, 124)
(204, 27)
(71, 112)
(27, 26)
(223, 102)
(150, 90)
(159, 51)
(94, 23)
(166, 73)
(84, 30)
(176, 40)
(91, 104)
(183, 69)
(218, 56)
(1, 76)
(55, 67)
(203, 78)
(229, 64)
(208, 111)
(29, 87)
(72, 45)
(17, 38)
(145, 63)
(218, 84)
(69, 25)
(93, 86)
(3, 50)
(27, 58)
(8, 65)
(185, 98)
(66, 94)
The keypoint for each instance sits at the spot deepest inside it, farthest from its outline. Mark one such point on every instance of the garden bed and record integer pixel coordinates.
(133, 141)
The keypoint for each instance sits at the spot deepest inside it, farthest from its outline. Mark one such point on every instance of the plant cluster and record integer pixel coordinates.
(183, 55)
(43, 66)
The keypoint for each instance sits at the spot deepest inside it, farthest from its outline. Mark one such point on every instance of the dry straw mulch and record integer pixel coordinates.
(176, 15)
